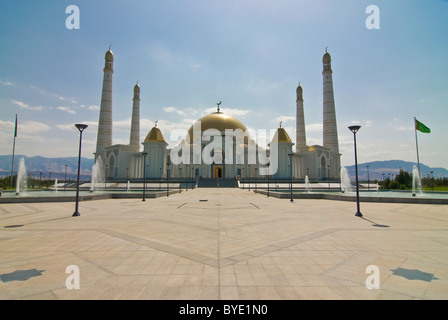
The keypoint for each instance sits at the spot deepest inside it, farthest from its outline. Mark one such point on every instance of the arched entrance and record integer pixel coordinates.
(218, 171)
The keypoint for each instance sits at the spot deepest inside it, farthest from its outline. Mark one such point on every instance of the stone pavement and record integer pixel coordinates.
(223, 244)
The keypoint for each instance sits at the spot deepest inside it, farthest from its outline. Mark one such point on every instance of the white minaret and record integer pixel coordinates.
(300, 124)
(135, 124)
(330, 139)
(104, 137)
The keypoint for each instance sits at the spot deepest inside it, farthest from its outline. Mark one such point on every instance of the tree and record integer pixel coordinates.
(404, 178)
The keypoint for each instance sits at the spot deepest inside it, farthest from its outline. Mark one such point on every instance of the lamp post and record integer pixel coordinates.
(160, 179)
(355, 129)
(368, 179)
(248, 167)
(65, 179)
(186, 177)
(144, 174)
(192, 177)
(168, 179)
(180, 173)
(290, 175)
(432, 181)
(256, 176)
(81, 128)
(268, 184)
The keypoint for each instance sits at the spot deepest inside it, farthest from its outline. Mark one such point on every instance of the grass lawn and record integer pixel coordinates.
(436, 188)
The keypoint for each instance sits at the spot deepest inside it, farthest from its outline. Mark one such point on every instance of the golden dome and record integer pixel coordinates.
(281, 136)
(155, 135)
(109, 55)
(219, 121)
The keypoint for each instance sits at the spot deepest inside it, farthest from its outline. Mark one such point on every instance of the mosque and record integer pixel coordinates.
(218, 145)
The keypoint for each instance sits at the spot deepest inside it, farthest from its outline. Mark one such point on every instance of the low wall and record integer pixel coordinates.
(72, 198)
(341, 197)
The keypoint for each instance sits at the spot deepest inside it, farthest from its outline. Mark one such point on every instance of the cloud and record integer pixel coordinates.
(174, 110)
(314, 127)
(122, 125)
(31, 127)
(66, 109)
(54, 95)
(71, 126)
(230, 111)
(362, 123)
(285, 119)
(92, 107)
(6, 83)
(6, 124)
(23, 105)
(184, 112)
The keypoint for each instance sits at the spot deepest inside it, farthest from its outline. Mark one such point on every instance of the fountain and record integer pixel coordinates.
(56, 185)
(346, 185)
(416, 182)
(21, 177)
(127, 187)
(307, 184)
(97, 174)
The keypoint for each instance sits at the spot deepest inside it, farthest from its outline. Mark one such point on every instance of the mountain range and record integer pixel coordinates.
(384, 169)
(51, 168)
(54, 168)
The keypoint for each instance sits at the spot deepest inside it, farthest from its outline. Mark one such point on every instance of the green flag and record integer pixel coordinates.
(421, 127)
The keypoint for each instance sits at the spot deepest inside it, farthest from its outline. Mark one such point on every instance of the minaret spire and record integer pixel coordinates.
(104, 137)
(135, 124)
(300, 121)
(330, 134)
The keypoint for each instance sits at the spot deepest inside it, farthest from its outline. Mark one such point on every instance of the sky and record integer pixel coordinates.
(187, 55)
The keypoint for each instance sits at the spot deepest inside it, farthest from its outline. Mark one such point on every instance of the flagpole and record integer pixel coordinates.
(416, 145)
(13, 151)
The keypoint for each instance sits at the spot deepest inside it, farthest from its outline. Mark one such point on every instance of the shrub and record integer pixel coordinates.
(394, 185)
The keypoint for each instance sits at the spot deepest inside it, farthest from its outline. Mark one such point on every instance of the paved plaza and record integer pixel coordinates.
(227, 244)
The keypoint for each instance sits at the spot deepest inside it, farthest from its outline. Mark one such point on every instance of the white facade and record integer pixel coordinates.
(203, 158)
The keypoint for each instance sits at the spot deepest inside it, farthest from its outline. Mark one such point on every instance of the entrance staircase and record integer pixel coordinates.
(217, 183)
